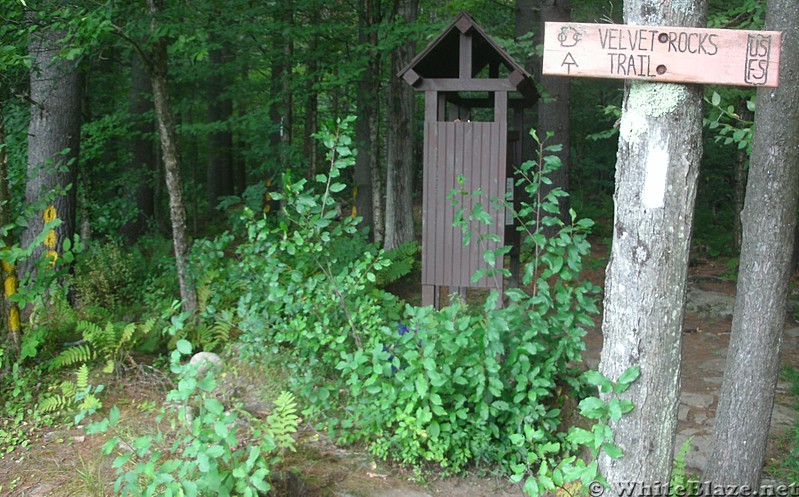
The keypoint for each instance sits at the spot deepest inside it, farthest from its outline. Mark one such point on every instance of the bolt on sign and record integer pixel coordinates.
(663, 54)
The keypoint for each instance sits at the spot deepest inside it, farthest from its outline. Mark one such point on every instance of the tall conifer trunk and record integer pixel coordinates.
(400, 128)
(142, 164)
(56, 90)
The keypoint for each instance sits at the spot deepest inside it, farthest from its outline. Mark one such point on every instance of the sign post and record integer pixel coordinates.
(662, 54)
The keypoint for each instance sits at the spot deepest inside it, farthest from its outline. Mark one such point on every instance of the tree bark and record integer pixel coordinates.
(281, 112)
(143, 162)
(8, 272)
(400, 128)
(169, 150)
(553, 112)
(56, 88)
(741, 165)
(219, 173)
(367, 111)
(768, 220)
(310, 125)
(660, 148)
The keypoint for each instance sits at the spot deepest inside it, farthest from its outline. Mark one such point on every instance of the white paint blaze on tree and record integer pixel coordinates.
(660, 148)
(768, 221)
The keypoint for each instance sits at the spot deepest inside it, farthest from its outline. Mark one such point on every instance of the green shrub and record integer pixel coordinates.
(211, 449)
(461, 385)
(105, 276)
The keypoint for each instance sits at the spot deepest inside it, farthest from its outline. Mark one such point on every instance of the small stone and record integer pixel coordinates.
(682, 413)
(714, 379)
(793, 333)
(205, 361)
(700, 418)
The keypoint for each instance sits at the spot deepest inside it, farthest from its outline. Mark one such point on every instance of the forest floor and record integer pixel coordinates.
(64, 462)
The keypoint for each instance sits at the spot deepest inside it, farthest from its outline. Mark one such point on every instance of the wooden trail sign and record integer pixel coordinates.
(663, 54)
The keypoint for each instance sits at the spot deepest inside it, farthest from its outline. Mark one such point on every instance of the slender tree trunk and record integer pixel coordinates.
(310, 146)
(366, 159)
(56, 87)
(281, 112)
(169, 151)
(142, 165)
(400, 128)
(553, 112)
(768, 219)
(219, 178)
(660, 148)
(8, 272)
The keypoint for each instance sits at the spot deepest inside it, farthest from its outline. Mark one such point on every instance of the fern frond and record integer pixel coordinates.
(126, 335)
(55, 403)
(68, 388)
(82, 381)
(90, 403)
(73, 355)
(147, 327)
(402, 261)
(89, 331)
(283, 421)
(221, 331)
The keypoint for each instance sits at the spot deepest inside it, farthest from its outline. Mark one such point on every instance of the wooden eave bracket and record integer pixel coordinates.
(412, 77)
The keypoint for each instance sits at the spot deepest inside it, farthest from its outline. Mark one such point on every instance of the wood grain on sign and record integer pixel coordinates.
(664, 54)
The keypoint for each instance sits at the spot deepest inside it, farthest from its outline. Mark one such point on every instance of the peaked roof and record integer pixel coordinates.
(441, 60)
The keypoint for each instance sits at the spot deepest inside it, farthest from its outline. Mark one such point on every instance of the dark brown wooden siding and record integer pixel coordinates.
(477, 151)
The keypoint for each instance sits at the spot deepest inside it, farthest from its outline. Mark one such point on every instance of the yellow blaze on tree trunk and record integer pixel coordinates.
(50, 241)
(10, 288)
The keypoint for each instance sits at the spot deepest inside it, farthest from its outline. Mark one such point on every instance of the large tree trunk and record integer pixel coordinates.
(142, 165)
(366, 123)
(400, 129)
(768, 219)
(56, 88)
(169, 151)
(219, 180)
(660, 148)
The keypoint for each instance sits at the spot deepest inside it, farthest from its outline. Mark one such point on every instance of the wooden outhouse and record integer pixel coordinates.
(470, 84)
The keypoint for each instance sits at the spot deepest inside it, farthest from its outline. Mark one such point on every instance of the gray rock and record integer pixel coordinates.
(782, 417)
(710, 305)
(716, 365)
(793, 333)
(714, 379)
(205, 361)
(682, 413)
(698, 400)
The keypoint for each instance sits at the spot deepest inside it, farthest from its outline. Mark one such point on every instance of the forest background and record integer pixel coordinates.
(176, 132)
